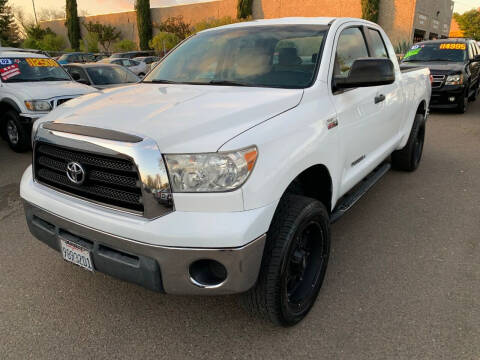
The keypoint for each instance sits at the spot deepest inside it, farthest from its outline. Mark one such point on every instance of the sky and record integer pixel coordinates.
(93, 7)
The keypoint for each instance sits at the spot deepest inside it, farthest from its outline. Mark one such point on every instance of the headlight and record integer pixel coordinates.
(213, 172)
(454, 79)
(38, 105)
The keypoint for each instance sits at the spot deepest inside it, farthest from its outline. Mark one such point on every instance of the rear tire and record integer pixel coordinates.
(408, 158)
(294, 262)
(17, 134)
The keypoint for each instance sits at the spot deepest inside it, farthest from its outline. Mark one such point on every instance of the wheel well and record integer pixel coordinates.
(314, 182)
(422, 108)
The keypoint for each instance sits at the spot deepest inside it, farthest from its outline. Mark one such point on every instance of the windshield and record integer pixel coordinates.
(454, 52)
(283, 56)
(31, 69)
(105, 75)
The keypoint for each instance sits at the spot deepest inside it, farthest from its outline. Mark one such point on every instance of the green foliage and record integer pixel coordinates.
(91, 43)
(52, 43)
(469, 23)
(104, 34)
(42, 39)
(164, 42)
(402, 47)
(8, 27)
(144, 23)
(124, 45)
(215, 22)
(73, 24)
(370, 10)
(244, 9)
(175, 25)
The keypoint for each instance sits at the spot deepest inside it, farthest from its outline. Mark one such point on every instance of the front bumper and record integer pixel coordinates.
(159, 268)
(441, 97)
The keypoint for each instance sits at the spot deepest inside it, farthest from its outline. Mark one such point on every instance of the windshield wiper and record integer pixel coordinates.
(161, 82)
(227, 83)
(52, 78)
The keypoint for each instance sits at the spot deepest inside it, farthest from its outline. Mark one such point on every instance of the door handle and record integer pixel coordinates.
(379, 98)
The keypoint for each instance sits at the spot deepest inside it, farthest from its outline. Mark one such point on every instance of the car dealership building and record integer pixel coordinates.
(403, 20)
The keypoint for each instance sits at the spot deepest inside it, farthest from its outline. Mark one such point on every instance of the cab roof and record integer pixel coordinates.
(21, 53)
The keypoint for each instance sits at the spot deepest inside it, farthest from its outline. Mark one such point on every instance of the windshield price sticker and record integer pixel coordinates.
(412, 52)
(36, 62)
(453, 47)
(4, 62)
(9, 71)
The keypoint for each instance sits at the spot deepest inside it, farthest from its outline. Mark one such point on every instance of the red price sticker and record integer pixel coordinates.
(9, 71)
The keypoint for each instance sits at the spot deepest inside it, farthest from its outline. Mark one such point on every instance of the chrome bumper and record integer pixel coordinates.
(163, 269)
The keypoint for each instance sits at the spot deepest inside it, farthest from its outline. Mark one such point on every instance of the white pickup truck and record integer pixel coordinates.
(31, 85)
(222, 171)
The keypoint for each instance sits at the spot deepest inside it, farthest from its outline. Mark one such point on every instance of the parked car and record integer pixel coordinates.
(31, 86)
(139, 68)
(102, 76)
(221, 172)
(77, 57)
(149, 60)
(100, 56)
(455, 68)
(131, 54)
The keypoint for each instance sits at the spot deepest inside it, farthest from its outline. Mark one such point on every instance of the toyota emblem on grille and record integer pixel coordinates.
(75, 173)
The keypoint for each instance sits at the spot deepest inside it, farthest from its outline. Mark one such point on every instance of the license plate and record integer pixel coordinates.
(76, 254)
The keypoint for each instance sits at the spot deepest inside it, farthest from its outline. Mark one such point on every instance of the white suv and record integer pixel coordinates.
(31, 85)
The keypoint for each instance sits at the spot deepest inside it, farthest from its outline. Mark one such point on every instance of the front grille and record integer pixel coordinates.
(57, 102)
(108, 180)
(437, 81)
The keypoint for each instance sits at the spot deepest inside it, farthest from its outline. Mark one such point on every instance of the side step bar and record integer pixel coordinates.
(347, 201)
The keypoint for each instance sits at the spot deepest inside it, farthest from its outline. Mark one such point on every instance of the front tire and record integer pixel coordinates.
(463, 101)
(294, 262)
(408, 158)
(17, 135)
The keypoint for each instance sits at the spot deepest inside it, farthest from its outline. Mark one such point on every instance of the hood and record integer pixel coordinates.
(181, 118)
(437, 67)
(49, 89)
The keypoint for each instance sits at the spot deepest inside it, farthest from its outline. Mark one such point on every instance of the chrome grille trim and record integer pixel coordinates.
(438, 81)
(156, 195)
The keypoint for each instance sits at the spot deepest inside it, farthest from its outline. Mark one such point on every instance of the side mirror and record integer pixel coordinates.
(367, 72)
(476, 58)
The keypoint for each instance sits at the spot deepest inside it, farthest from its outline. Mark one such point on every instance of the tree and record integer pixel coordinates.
(34, 35)
(106, 34)
(144, 23)
(8, 27)
(175, 25)
(244, 9)
(73, 24)
(215, 22)
(164, 42)
(469, 22)
(370, 10)
(52, 43)
(124, 45)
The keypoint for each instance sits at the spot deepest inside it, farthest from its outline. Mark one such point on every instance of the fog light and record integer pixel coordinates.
(207, 273)
(451, 99)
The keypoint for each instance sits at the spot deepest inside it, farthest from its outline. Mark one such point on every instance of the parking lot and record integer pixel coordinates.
(403, 280)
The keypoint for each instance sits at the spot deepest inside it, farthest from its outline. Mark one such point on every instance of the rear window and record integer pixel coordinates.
(447, 51)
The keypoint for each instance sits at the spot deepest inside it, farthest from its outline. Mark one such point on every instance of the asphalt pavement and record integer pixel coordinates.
(403, 280)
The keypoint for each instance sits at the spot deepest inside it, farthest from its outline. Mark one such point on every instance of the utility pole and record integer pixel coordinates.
(35, 12)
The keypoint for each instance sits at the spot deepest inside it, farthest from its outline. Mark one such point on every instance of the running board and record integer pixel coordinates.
(347, 201)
